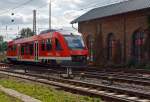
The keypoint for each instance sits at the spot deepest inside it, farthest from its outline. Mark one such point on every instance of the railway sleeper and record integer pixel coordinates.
(103, 93)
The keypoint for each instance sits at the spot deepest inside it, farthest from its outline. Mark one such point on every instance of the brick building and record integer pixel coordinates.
(117, 33)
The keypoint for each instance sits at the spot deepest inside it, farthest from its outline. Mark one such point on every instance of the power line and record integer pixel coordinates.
(16, 7)
(38, 8)
(96, 4)
(23, 4)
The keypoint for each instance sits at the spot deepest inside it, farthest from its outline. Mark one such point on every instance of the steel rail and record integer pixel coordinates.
(113, 93)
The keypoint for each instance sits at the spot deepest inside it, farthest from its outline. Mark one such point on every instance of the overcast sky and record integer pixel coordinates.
(63, 12)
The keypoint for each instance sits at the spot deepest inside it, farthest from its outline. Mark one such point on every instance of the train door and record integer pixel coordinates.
(36, 51)
(58, 51)
(18, 51)
(58, 48)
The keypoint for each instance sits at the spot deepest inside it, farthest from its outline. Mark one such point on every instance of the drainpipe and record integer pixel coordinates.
(124, 39)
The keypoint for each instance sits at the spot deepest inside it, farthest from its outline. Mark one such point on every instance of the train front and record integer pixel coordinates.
(77, 49)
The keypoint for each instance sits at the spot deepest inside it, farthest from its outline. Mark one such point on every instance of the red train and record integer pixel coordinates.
(60, 47)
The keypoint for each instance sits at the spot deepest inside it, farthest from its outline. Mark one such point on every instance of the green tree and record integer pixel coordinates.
(26, 32)
(1, 43)
(3, 46)
(1, 39)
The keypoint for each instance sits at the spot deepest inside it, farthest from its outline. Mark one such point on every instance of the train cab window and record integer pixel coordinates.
(58, 46)
(75, 42)
(31, 49)
(48, 45)
(43, 45)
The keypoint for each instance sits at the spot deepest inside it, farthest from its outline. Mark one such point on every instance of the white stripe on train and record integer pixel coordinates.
(40, 58)
(56, 58)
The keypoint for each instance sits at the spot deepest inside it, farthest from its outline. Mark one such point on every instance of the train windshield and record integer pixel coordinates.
(75, 42)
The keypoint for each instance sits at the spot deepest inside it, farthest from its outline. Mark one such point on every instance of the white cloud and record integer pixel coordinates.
(63, 12)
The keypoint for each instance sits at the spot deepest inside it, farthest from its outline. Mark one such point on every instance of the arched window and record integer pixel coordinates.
(137, 45)
(110, 46)
(90, 43)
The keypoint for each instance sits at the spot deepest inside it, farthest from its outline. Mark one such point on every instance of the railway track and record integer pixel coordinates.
(113, 94)
(109, 76)
(116, 77)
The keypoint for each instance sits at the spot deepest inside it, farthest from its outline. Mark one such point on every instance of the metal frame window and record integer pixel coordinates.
(48, 45)
(43, 45)
(138, 43)
(110, 45)
(31, 48)
(90, 45)
(58, 45)
(22, 50)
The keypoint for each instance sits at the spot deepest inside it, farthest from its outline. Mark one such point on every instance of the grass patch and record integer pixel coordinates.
(44, 93)
(6, 98)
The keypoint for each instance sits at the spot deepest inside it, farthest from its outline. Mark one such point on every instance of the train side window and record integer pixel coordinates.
(22, 50)
(14, 48)
(43, 45)
(11, 48)
(48, 45)
(58, 46)
(31, 49)
(27, 49)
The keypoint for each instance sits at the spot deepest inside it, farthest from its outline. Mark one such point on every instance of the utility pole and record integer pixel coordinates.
(50, 14)
(6, 31)
(34, 22)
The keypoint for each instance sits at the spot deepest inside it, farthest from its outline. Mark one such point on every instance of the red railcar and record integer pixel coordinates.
(51, 46)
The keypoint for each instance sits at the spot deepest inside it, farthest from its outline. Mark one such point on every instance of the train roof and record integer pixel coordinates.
(62, 31)
(36, 37)
(23, 40)
(48, 31)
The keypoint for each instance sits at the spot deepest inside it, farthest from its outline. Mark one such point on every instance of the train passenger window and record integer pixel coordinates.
(27, 49)
(58, 46)
(14, 48)
(31, 49)
(43, 45)
(22, 50)
(11, 48)
(48, 45)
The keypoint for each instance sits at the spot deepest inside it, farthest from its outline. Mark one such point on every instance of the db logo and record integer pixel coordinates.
(57, 54)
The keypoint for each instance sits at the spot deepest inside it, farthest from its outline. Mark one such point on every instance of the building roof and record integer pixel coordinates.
(114, 9)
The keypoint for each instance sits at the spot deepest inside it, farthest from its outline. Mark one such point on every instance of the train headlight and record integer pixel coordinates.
(88, 58)
(79, 58)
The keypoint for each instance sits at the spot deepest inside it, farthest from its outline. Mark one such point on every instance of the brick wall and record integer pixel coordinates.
(122, 26)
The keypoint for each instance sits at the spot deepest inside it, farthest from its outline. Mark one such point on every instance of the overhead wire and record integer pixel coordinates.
(96, 4)
(16, 7)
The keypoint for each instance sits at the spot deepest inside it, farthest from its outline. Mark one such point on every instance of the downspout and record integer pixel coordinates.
(124, 39)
